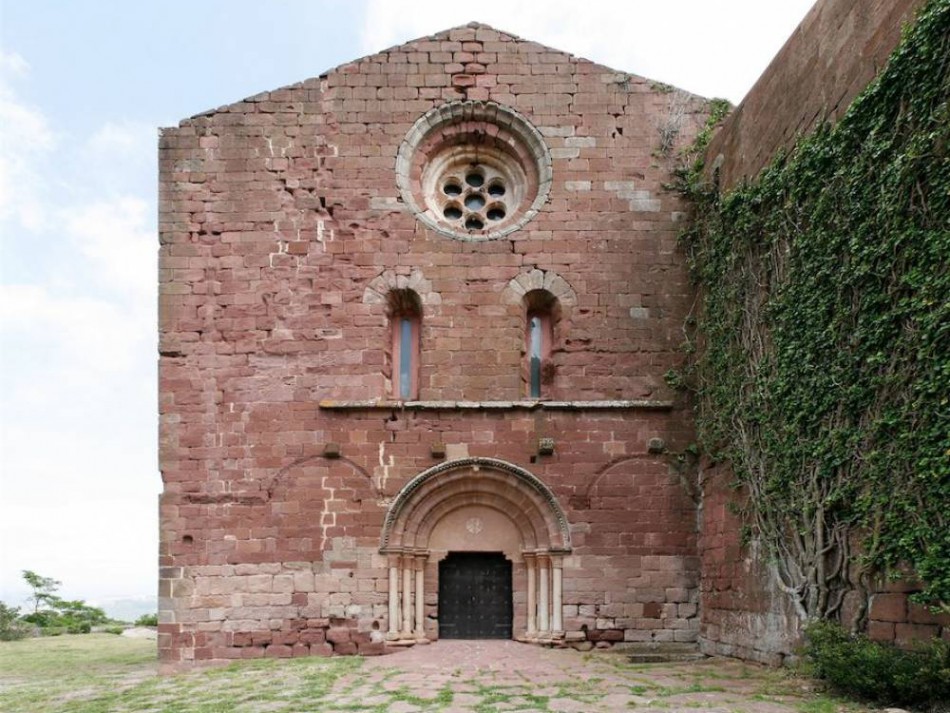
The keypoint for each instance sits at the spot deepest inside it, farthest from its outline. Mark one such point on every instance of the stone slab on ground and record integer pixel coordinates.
(140, 632)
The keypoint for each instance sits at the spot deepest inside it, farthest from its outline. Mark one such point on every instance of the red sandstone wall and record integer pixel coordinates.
(742, 612)
(832, 55)
(893, 617)
(280, 227)
(746, 616)
(824, 65)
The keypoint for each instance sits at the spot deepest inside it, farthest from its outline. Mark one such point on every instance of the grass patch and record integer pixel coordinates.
(668, 691)
(102, 673)
(441, 699)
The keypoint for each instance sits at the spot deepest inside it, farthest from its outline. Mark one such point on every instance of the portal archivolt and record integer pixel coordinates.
(443, 509)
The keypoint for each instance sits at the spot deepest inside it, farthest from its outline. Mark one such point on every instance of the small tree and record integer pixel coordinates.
(55, 615)
(44, 589)
(147, 620)
(78, 617)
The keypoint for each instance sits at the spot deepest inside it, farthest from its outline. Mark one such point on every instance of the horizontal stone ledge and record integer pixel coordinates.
(528, 405)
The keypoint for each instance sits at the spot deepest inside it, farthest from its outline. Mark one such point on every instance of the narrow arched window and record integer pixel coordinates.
(406, 356)
(539, 333)
(405, 315)
(535, 353)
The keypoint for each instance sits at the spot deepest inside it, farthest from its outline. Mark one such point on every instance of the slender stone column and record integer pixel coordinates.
(407, 597)
(557, 576)
(393, 632)
(530, 563)
(420, 565)
(543, 602)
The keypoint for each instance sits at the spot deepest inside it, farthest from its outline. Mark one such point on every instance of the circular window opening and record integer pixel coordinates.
(461, 159)
(474, 201)
(475, 180)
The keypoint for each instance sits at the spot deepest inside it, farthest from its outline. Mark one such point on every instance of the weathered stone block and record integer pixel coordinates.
(278, 651)
(323, 649)
(369, 648)
(338, 636)
(909, 634)
(888, 607)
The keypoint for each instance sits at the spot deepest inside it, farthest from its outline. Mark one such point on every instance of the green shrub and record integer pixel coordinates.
(857, 666)
(147, 620)
(12, 627)
(70, 617)
(54, 615)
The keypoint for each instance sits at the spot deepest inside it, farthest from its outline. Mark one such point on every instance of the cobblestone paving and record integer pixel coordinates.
(484, 676)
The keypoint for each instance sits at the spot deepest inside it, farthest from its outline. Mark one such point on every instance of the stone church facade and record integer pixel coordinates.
(415, 319)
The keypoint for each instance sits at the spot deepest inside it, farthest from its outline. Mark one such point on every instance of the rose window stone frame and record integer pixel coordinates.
(473, 170)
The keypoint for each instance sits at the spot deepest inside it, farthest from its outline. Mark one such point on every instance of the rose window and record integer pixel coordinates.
(473, 171)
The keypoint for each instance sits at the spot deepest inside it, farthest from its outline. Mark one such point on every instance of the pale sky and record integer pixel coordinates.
(84, 85)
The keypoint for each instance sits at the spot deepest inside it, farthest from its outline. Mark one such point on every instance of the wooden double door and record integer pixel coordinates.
(475, 596)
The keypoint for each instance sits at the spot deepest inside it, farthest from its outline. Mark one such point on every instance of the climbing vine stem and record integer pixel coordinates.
(820, 350)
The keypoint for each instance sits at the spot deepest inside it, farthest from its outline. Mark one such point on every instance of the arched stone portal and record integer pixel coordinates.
(472, 505)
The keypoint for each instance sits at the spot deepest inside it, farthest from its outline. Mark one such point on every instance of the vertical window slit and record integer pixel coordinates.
(405, 315)
(534, 353)
(541, 310)
(405, 358)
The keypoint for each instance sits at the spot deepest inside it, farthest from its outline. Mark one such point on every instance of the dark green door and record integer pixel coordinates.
(475, 596)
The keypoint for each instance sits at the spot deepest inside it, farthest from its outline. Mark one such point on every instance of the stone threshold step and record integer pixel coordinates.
(662, 653)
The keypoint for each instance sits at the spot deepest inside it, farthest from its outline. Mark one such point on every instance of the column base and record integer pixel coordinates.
(541, 637)
(402, 642)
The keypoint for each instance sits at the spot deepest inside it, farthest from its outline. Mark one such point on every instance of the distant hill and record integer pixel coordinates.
(128, 608)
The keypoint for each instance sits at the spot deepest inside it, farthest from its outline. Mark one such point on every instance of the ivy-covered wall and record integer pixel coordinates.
(821, 345)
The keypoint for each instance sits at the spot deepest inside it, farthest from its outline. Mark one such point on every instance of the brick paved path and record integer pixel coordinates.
(485, 676)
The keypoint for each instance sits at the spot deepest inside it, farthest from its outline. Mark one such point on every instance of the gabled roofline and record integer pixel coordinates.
(313, 82)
